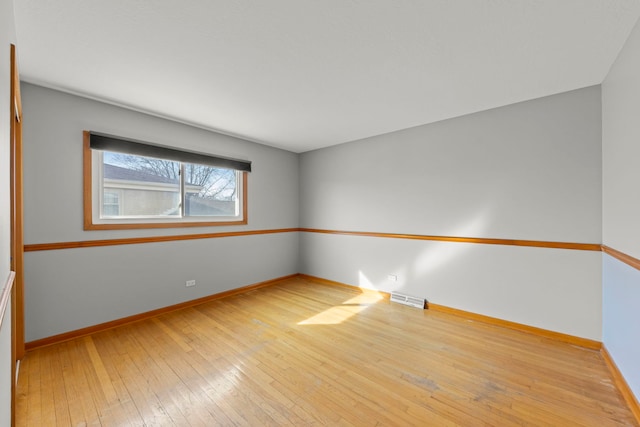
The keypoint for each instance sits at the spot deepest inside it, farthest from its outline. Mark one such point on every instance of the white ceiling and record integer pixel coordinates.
(302, 74)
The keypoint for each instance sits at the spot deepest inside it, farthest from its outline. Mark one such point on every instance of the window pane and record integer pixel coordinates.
(145, 187)
(210, 191)
(110, 198)
(111, 203)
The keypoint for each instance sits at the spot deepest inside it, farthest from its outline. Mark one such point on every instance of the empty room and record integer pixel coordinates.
(320, 213)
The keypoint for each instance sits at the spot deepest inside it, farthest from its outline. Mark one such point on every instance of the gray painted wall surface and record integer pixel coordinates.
(53, 127)
(101, 284)
(621, 322)
(526, 171)
(553, 289)
(7, 36)
(621, 208)
(75, 288)
(621, 150)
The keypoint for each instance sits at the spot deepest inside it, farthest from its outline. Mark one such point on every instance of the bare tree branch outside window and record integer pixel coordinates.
(214, 183)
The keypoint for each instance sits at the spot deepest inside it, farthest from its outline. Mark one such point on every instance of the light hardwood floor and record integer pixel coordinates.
(302, 353)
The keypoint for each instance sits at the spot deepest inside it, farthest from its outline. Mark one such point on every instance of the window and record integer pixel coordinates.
(129, 184)
(111, 203)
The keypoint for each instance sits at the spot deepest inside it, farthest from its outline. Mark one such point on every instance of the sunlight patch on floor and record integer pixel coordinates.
(366, 297)
(334, 315)
(339, 313)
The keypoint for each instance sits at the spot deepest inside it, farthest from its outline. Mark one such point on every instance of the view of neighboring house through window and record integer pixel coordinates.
(138, 186)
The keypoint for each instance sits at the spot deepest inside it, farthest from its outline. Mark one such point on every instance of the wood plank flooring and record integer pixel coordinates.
(302, 353)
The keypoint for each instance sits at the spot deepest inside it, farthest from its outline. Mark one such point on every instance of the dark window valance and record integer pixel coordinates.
(99, 141)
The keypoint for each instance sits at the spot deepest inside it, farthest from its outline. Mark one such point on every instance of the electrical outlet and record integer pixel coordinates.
(392, 277)
(190, 283)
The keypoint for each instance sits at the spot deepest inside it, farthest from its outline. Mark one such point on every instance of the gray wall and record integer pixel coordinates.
(74, 288)
(526, 171)
(7, 36)
(621, 208)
